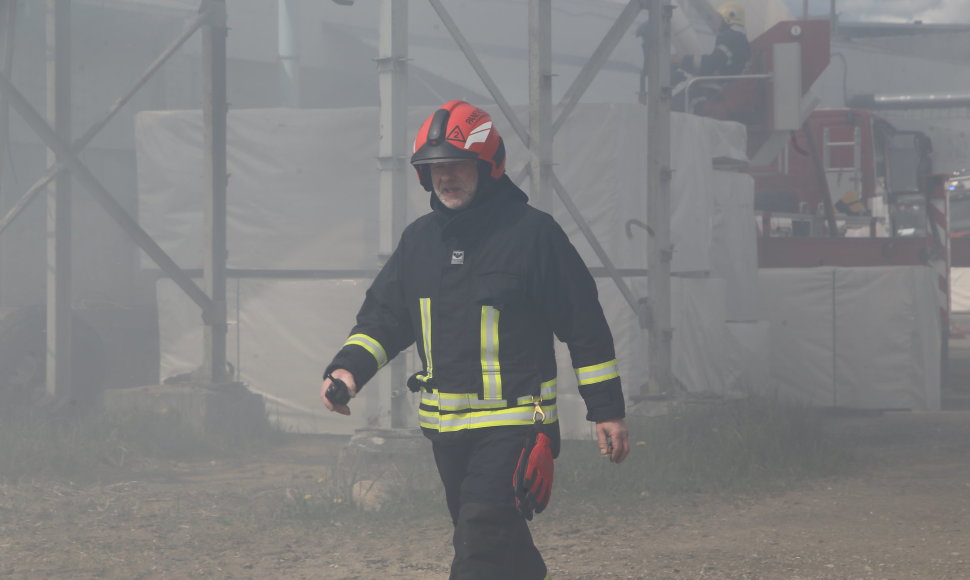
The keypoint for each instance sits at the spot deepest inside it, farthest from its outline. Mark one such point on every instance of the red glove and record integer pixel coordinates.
(532, 480)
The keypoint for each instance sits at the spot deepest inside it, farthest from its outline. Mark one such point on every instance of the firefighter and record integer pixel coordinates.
(483, 284)
(730, 57)
(731, 49)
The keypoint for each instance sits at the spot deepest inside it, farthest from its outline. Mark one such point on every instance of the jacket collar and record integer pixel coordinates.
(494, 197)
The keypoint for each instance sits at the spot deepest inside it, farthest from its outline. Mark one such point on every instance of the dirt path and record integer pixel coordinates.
(905, 515)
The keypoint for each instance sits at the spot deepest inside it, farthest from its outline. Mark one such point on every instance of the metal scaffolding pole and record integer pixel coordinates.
(7, 27)
(394, 410)
(214, 114)
(289, 53)
(540, 102)
(659, 250)
(59, 202)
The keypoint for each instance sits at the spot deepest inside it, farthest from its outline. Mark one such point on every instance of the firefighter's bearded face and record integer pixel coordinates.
(455, 182)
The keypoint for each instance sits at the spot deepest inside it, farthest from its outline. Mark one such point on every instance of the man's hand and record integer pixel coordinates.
(614, 440)
(345, 376)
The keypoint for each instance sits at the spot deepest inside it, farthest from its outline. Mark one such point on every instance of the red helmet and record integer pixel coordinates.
(458, 130)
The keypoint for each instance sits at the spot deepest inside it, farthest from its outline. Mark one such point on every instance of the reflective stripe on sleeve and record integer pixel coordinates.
(371, 346)
(597, 373)
(491, 370)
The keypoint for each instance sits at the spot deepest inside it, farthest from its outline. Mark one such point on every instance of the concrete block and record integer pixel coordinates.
(226, 409)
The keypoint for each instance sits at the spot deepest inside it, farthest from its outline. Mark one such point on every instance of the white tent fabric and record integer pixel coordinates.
(281, 332)
(864, 338)
(960, 289)
(733, 257)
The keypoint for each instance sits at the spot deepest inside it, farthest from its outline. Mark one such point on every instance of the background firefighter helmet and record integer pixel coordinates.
(458, 130)
(732, 13)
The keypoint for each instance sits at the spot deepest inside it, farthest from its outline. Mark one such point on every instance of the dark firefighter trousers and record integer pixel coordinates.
(492, 540)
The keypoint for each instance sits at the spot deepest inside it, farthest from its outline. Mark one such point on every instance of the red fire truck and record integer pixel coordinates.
(845, 188)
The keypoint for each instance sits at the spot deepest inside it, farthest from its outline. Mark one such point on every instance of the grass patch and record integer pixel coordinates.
(757, 444)
(717, 448)
(39, 447)
(402, 483)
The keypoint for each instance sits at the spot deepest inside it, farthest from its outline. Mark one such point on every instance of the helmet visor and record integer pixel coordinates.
(440, 152)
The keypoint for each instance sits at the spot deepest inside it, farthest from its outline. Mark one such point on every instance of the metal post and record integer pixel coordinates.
(59, 202)
(8, 10)
(659, 250)
(393, 150)
(540, 102)
(214, 113)
(289, 55)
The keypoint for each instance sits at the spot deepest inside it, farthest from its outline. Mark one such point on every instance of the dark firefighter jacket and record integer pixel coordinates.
(483, 291)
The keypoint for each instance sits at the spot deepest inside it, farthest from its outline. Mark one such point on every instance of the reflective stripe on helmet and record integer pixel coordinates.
(478, 135)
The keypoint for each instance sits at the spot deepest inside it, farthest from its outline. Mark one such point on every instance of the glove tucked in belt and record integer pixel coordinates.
(532, 480)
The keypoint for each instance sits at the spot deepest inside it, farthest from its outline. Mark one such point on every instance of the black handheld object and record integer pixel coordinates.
(337, 392)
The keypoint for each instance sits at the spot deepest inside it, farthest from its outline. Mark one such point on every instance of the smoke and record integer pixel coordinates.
(929, 11)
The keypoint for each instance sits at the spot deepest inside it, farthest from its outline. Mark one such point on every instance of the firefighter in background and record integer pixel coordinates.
(483, 284)
(730, 57)
(731, 49)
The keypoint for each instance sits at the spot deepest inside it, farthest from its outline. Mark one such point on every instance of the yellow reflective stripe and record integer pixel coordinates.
(467, 401)
(482, 419)
(597, 373)
(547, 392)
(491, 370)
(464, 402)
(457, 411)
(371, 346)
(432, 419)
(429, 422)
(425, 307)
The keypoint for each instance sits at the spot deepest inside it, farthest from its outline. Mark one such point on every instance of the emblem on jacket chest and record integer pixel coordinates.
(457, 256)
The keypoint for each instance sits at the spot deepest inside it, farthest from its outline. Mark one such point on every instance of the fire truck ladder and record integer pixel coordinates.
(841, 177)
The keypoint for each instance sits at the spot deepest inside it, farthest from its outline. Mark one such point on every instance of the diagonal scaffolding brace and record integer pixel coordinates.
(111, 206)
(54, 171)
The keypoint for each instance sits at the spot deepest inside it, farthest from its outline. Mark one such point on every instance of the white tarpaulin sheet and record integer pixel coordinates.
(303, 194)
(960, 289)
(863, 338)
